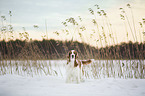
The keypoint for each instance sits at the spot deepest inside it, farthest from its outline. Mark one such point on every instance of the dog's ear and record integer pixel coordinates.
(77, 56)
(76, 53)
(68, 54)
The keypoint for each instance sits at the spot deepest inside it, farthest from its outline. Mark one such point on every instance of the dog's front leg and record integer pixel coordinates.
(82, 74)
(78, 74)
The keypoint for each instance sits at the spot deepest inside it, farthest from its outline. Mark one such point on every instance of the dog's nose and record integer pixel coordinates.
(72, 56)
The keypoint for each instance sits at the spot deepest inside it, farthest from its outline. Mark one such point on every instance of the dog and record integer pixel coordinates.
(74, 67)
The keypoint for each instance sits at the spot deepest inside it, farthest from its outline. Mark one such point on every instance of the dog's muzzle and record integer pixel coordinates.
(72, 56)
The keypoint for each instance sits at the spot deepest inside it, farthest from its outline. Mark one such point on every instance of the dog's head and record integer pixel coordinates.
(72, 54)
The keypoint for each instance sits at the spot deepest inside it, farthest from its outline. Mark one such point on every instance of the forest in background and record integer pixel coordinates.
(75, 26)
(55, 49)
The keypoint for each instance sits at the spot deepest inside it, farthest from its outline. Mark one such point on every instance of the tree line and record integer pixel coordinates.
(55, 49)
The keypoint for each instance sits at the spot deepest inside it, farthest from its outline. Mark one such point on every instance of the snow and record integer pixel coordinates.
(42, 85)
(47, 78)
(98, 69)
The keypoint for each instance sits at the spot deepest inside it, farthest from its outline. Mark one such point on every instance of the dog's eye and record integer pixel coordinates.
(70, 53)
(75, 53)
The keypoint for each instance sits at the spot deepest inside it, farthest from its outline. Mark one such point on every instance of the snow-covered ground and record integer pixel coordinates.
(16, 85)
(47, 78)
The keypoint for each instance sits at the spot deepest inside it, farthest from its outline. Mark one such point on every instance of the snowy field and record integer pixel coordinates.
(15, 85)
(47, 78)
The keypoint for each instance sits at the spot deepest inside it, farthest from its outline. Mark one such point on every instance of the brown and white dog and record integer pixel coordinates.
(74, 67)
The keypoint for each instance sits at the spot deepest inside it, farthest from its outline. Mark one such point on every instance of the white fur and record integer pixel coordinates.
(73, 74)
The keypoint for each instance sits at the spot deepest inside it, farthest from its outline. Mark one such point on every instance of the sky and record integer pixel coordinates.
(48, 15)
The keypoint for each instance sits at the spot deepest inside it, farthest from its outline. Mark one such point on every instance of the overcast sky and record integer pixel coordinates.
(26, 13)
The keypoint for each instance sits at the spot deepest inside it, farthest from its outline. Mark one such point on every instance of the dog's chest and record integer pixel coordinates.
(71, 70)
(72, 63)
(71, 66)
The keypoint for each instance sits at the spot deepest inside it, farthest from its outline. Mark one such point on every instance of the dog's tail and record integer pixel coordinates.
(86, 62)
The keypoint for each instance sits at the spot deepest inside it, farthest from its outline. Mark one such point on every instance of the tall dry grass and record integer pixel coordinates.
(30, 51)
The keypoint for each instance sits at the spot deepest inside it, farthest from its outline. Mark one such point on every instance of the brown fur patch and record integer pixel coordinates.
(86, 62)
(76, 63)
